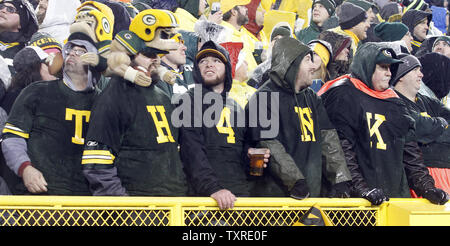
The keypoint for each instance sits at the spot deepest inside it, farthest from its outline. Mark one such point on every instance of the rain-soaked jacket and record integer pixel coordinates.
(373, 128)
(304, 132)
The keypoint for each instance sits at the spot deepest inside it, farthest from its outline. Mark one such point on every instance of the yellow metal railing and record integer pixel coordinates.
(186, 211)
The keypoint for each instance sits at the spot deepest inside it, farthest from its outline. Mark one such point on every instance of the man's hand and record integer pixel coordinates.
(436, 196)
(240, 73)
(266, 154)
(34, 180)
(216, 17)
(375, 196)
(225, 199)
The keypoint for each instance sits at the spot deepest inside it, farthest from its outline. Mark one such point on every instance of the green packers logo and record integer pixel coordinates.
(106, 26)
(149, 20)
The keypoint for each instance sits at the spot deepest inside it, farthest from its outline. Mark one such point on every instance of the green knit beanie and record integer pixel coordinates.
(390, 31)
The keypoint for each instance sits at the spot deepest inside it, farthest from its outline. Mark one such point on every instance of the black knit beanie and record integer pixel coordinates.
(329, 5)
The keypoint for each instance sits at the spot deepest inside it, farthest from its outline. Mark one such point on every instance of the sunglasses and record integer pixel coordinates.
(9, 9)
(77, 52)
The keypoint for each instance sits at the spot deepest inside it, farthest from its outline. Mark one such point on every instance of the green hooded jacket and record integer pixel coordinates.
(305, 133)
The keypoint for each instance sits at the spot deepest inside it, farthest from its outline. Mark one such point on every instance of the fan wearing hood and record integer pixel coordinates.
(300, 132)
(342, 55)
(17, 24)
(44, 135)
(213, 148)
(375, 128)
(436, 71)
(261, 72)
(418, 23)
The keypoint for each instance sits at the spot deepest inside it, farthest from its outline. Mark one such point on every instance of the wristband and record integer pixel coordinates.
(22, 167)
(130, 74)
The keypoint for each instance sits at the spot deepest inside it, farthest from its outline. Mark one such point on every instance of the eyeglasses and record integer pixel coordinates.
(77, 52)
(9, 9)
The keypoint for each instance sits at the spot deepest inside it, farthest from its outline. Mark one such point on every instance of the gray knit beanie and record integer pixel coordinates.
(350, 15)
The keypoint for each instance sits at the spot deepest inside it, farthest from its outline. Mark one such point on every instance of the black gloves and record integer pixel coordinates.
(300, 190)
(375, 196)
(436, 196)
(340, 190)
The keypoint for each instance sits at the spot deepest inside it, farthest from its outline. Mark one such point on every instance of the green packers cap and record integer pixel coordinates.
(386, 56)
(133, 44)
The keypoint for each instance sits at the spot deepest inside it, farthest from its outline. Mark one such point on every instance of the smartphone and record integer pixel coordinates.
(215, 7)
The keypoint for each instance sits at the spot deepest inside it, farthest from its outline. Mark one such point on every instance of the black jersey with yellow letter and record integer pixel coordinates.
(377, 125)
(54, 121)
(300, 119)
(213, 142)
(134, 122)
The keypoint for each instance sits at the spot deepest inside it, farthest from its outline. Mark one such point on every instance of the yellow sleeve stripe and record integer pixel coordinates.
(98, 152)
(97, 157)
(15, 130)
(97, 161)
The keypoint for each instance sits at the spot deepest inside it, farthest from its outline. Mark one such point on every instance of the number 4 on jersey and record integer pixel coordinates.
(224, 125)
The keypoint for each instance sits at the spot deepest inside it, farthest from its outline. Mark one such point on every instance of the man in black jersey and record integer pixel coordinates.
(306, 157)
(432, 131)
(376, 129)
(213, 147)
(132, 146)
(45, 132)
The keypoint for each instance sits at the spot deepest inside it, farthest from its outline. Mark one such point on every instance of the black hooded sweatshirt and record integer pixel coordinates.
(374, 128)
(304, 130)
(212, 149)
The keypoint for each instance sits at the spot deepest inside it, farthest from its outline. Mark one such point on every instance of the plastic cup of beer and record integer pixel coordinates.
(257, 161)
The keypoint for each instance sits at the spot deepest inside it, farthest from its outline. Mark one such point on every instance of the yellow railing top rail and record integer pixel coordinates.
(114, 201)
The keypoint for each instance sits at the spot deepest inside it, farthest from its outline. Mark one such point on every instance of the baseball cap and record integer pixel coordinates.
(386, 56)
(211, 49)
